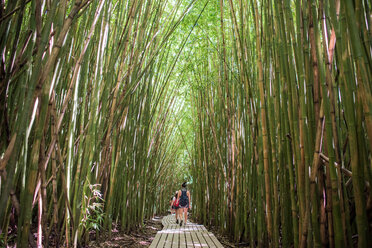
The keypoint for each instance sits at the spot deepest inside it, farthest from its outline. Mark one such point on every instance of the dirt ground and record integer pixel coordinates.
(140, 238)
(225, 241)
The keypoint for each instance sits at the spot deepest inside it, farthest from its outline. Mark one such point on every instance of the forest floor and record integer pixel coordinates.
(139, 238)
(225, 240)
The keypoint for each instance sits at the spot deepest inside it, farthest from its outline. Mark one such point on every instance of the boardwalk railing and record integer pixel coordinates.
(186, 236)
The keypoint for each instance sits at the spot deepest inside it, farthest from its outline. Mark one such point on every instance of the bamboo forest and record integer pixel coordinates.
(264, 107)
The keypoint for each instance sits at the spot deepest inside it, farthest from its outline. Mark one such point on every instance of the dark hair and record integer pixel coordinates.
(184, 184)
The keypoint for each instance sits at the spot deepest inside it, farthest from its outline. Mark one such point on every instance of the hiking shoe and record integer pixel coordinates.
(181, 222)
(177, 221)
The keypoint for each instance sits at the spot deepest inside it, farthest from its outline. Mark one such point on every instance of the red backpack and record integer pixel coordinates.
(176, 203)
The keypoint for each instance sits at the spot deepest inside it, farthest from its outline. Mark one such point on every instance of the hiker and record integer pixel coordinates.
(184, 201)
(176, 206)
(172, 200)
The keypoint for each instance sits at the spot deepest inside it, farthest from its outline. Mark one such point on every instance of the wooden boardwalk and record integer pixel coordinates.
(175, 236)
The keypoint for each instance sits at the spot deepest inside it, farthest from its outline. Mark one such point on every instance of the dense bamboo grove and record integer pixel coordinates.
(263, 106)
(86, 134)
(282, 150)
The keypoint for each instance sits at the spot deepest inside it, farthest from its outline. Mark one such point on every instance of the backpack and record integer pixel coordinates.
(184, 199)
(176, 203)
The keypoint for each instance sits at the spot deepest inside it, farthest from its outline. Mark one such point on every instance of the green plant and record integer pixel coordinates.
(2, 239)
(93, 214)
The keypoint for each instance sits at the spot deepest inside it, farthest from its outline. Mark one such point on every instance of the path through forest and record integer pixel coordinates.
(163, 232)
(262, 107)
(187, 235)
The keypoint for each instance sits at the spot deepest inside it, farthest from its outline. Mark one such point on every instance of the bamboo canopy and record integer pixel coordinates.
(264, 107)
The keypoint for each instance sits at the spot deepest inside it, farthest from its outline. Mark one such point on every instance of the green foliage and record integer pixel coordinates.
(135, 97)
(2, 239)
(6, 239)
(92, 209)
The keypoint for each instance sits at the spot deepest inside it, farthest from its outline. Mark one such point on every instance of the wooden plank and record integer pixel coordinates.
(176, 237)
(215, 240)
(155, 242)
(199, 235)
(186, 236)
(203, 231)
(169, 240)
(183, 238)
(172, 220)
(189, 242)
(193, 236)
(167, 220)
(162, 239)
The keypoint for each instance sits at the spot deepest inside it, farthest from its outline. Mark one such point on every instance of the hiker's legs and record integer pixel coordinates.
(185, 213)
